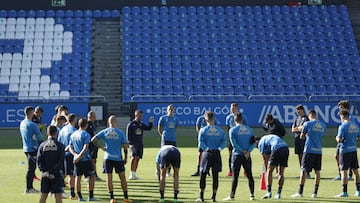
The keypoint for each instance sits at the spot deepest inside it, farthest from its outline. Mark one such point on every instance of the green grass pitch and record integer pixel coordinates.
(12, 174)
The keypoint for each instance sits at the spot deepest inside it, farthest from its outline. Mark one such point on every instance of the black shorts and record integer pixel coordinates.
(348, 160)
(211, 159)
(230, 147)
(279, 157)
(337, 149)
(69, 164)
(52, 185)
(239, 160)
(93, 149)
(172, 157)
(299, 145)
(136, 151)
(109, 165)
(165, 142)
(311, 161)
(200, 150)
(84, 168)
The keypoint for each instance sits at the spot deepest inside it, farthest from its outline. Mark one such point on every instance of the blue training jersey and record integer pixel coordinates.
(211, 138)
(64, 135)
(78, 139)
(30, 135)
(315, 131)
(231, 122)
(349, 131)
(113, 138)
(169, 124)
(240, 138)
(270, 143)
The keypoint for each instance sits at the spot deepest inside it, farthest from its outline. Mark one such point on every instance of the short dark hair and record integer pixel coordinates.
(52, 130)
(209, 116)
(28, 110)
(268, 117)
(299, 107)
(39, 108)
(238, 117)
(83, 122)
(344, 113)
(61, 118)
(312, 112)
(71, 117)
(344, 103)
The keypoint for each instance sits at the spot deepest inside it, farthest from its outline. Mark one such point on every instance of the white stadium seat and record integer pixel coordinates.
(55, 86)
(13, 87)
(45, 79)
(20, 21)
(30, 21)
(44, 87)
(64, 95)
(14, 79)
(4, 79)
(49, 21)
(40, 21)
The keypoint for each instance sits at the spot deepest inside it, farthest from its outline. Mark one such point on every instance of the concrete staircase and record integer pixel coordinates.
(107, 71)
(354, 11)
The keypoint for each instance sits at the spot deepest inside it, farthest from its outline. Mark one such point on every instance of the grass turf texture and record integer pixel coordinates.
(12, 174)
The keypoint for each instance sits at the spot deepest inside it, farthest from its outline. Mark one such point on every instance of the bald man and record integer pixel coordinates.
(114, 139)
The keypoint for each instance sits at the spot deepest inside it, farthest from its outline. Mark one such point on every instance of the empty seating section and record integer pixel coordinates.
(226, 53)
(46, 55)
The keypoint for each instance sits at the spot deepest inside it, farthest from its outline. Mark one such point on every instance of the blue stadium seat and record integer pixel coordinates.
(97, 13)
(88, 13)
(12, 14)
(58, 13)
(106, 13)
(3, 13)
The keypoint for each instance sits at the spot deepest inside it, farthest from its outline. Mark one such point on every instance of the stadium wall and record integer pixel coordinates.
(187, 113)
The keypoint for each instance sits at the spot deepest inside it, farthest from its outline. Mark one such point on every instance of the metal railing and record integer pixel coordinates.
(275, 98)
(22, 99)
(335, 97)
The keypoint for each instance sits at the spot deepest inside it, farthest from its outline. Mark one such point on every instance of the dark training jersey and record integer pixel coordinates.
(299, 121)
(275, 128)
(50, 156)
(91, 128)
(135, 132)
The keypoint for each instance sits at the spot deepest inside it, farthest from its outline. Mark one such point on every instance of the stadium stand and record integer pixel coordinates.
(185, 53)
(254, 53)
(42, 53)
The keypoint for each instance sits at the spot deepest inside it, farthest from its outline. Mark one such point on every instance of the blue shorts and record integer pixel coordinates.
(299, 145)
(170, 157)
(348, 160)
(211, 159)
(311, 161)
(84, 168)
(69, 164)
(136, 151)
(279, 157)
(52, 185)
(109, 165)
